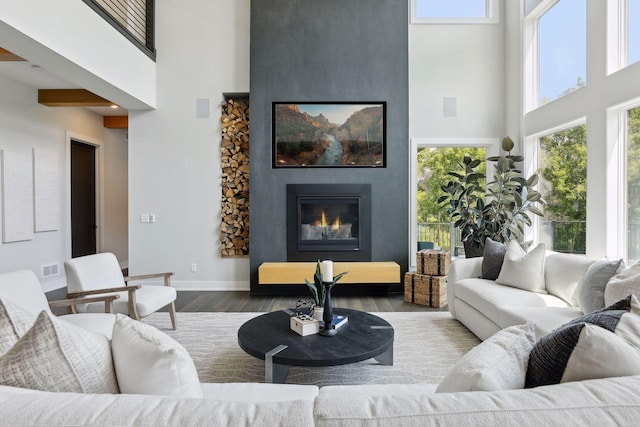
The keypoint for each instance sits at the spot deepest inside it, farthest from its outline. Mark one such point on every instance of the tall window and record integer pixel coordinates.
(633, 185)
(562, 44)
(562, 162)
(433, 166)
(454, 11)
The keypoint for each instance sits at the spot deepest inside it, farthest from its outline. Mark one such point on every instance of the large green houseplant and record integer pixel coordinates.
(501, 211)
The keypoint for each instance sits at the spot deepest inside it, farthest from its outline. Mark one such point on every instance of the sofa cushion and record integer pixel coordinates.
(258, 392)
(546, 319)
(14, 323)
(563, 273)
(148, 361)
(524, 270)
(492, 259)
(55, 355)
(499, 363)
(623, 284)
(490, 298)
(602, 344)
(592, 286)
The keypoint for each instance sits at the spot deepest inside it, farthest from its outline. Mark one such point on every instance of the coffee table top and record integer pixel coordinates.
(364, 336)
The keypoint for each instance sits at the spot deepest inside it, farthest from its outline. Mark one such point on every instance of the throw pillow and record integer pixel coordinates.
(148, 361)
(523, 270)
(591, 287)
(605, 343)
(499, 363)
(14, 323)
(623, 284)
(492, 259)
(58, 356)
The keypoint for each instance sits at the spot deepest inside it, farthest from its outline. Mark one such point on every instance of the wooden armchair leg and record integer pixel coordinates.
(172, 313)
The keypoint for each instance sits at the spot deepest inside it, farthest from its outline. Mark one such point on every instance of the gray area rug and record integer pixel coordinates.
(426, 345)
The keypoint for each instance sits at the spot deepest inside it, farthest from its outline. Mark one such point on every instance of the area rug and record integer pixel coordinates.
(426, 345)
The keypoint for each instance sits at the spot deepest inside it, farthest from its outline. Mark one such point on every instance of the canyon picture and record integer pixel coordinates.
(329, 134)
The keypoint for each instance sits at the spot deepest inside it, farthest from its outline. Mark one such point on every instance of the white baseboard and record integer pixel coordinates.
(53, 284)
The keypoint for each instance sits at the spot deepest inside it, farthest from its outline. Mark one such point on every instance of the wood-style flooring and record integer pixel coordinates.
(239, 301)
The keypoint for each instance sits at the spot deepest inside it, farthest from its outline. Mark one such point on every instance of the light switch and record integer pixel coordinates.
(144, 217)
(152, 217)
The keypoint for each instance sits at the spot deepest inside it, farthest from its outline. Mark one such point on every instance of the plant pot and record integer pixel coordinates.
(472, 251)
(317, 313)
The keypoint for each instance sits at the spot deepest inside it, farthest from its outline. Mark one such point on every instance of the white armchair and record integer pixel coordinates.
(23, 289)
(101, 274)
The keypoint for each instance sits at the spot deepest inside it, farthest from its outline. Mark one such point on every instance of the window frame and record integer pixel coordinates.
(492, 15)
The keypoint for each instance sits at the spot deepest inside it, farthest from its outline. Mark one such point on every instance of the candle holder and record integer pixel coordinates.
(327, 315)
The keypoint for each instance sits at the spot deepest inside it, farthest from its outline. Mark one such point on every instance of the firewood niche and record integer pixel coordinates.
(234, 227)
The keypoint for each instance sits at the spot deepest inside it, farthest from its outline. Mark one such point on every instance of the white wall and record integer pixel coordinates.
(461, 61)
(174, 157)
(25, 124)
(71, 40)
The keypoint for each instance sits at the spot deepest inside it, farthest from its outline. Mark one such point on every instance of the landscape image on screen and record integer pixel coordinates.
(328, 134)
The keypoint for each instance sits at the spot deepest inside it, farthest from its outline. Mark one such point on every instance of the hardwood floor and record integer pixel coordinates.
(241, 301)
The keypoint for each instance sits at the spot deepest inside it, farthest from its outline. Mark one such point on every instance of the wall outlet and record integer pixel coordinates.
(144, 217)
(194, 267)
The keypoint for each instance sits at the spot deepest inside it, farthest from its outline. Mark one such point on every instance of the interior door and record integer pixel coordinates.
(83, 199)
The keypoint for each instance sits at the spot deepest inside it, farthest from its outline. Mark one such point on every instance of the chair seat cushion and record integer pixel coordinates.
(149, 299)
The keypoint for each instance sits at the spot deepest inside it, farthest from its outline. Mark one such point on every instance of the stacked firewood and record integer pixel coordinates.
(234, 228)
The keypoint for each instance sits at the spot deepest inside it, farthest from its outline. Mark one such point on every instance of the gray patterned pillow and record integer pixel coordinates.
(14, 323)
(592, 286)
(492, 259)
(58, 356)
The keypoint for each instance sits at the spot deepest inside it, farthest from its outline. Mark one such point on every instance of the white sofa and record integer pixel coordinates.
(612, 401)
(485, 307)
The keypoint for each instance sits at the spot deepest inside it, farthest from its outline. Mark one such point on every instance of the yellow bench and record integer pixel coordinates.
(294, 273)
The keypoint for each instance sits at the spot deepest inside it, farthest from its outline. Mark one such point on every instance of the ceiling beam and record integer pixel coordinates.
(5, 55)
(116, 122)
(71, 98)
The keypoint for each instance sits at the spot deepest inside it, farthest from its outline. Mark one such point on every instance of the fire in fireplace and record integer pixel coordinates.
(329, 221)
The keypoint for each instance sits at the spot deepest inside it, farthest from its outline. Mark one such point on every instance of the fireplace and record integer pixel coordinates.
(329, 221)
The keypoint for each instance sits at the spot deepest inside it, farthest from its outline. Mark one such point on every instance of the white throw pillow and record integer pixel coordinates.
(14, 323)
(57, 356)
(499, 363)
(523, 270)
(623, 284)
(148, 361)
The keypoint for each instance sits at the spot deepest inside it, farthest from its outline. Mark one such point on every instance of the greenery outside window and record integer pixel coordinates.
(562, 162)
(633, 185)
(454, 11)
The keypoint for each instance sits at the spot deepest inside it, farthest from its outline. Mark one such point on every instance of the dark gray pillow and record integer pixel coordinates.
(593, 283)
(493, 258)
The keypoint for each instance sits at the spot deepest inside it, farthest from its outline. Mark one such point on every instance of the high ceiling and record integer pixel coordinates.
(34, 76)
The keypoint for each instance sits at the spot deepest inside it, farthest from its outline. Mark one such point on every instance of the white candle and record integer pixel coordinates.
(327, 270)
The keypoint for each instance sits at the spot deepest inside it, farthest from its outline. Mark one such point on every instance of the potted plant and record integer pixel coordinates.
(318, 291)
(501, 211)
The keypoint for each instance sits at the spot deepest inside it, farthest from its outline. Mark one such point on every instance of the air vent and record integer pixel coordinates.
(50, 270)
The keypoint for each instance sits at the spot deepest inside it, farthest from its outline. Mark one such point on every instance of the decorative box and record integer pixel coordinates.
(304, 327)
(433, 262)
(425, 290)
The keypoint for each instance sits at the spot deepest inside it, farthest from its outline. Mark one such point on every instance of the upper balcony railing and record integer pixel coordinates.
(134, 19)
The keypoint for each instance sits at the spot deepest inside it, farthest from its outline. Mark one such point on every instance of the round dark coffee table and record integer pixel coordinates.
(270, 338)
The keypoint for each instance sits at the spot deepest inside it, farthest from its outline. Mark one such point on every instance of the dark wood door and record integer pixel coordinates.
(83, 199)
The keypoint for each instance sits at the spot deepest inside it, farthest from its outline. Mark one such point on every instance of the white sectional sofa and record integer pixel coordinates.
(486, 307)
(612, 401)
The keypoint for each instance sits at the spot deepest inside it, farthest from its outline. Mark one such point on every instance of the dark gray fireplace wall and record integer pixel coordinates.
(329, 50)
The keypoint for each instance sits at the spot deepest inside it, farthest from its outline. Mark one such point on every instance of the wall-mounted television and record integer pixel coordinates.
(329, 134)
